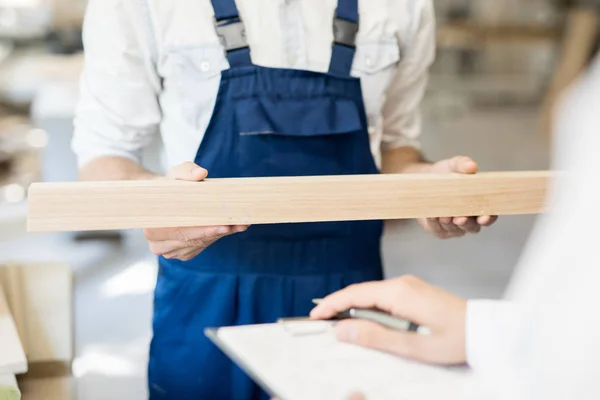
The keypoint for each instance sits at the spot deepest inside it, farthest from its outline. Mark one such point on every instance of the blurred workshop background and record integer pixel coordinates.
(500, 66)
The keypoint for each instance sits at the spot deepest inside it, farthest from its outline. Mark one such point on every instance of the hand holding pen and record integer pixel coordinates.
(440, 315)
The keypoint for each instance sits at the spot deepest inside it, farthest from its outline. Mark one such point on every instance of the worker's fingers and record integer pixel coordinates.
(240, 228)
(188, 171)
(367, 295)
(374, 336)
(404, 297)
(205, 237)
(356, 396)
(190, 234)
(463, 165)
(157, 234)
(186, 243)
(432, 225)
(160, 248)
(176, 255)
(180, 234)
(487, 220)
(459, 164)
(467, 224)
(175, 249)
(448, 225)
(185, 254)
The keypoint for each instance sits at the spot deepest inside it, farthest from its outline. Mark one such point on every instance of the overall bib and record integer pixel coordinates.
(266, 122)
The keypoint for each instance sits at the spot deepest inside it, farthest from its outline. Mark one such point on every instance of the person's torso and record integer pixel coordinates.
(295, 34)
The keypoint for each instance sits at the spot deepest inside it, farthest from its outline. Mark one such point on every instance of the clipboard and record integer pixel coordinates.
(313, 365)
(212, 334)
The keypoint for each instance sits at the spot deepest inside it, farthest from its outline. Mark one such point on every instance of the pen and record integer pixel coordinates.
(383, 318)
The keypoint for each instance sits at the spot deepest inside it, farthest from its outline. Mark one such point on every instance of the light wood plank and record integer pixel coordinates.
(152, 204)
(40, 299)
(47, 381)
(467, 34)
(12, 356)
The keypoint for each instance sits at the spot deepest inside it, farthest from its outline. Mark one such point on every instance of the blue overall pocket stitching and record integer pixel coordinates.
(320, 116)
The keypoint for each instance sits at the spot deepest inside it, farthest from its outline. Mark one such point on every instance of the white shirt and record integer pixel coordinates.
(133, 45)
(544, 341)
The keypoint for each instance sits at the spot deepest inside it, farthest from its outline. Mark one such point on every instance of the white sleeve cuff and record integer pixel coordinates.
(491, 331)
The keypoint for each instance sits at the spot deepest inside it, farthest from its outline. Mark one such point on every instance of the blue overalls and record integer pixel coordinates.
(266, 122)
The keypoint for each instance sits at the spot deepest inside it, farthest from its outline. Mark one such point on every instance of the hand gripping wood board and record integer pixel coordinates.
(80, 206)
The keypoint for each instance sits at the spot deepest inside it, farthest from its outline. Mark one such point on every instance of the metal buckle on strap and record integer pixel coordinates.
(232, 34)
(344, 32)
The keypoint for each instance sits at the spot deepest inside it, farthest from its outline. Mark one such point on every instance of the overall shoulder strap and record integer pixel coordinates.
(231, 32)
(345, 29)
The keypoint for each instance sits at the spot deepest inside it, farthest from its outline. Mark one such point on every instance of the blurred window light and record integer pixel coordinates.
(22, 3)
(37, 138)
(140, 278)
(14, 193)
(95, 362)
(9, 17)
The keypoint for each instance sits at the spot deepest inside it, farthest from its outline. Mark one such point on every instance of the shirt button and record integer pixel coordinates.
(369, 62)
(204, 66)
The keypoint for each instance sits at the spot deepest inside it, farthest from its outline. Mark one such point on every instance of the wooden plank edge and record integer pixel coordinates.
(529, 182)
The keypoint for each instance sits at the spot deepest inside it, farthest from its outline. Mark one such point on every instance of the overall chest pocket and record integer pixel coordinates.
(301, 137)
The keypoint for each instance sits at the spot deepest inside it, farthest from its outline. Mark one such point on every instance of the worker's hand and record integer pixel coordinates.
(455, 226)
(186, 243)
(409, 298)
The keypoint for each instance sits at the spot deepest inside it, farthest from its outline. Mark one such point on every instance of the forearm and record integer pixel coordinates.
(404, 160)
(111, 168)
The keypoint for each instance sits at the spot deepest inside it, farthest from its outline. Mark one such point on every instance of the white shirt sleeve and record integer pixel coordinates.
(401, 110)
(544, 345)
(118, 112)
(491, 329)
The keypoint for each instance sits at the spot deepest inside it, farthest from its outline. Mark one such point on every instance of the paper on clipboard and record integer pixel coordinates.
(318, 367)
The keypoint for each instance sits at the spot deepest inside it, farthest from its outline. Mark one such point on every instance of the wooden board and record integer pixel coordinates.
(12, 356)
(56, 388)
(47, 381)
(466, 34)
(40, 299)
(151, 204)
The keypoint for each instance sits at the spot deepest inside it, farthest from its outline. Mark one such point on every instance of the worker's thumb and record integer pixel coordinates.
(356, 396)
(188, 171)
(458, 165)
(374, 336)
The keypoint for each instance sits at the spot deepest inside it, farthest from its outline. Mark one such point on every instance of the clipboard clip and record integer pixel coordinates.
(304, 326)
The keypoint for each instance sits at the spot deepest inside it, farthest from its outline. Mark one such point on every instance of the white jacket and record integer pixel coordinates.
(544, 341)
